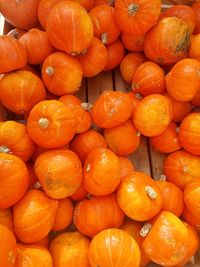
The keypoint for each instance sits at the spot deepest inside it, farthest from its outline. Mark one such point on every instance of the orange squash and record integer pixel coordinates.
(133, 43)
(83, 143)
(124, 251)
(51, 124)
(8, 247)
(152, 115)
(60, 172)
(61, 74)
(196, 8)
(194, 45)
(6, 218)
(182, 168)
(21, 90)
(196, 99)
(9, 47)
(33, 255)
(101, 172)
(70, 249)
(126, 166)
(34, 216)
(82, 117)
(14, 180)
(80, 194)
(64, 214)
(66, 35)
(191, 196)
(129, 65)
(189, 133)
(111, 109)
(16, 33)
(93, 59)
(191, 219)
(91, 215)
(166, 142)
(126, 145)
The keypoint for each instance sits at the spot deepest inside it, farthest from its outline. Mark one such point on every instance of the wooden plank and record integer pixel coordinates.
(82, 93)
(7, 27)
(120, 84)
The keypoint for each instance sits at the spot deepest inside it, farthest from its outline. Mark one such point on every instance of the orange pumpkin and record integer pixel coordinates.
(59, 172)
(179, 109)
(32, 40)
(44, 242)
(134, 43)
(14, 139)
(148, 79)
(114, 247)
(189, 133)
(33, 255)
(183, 81)
(111, 109)
(101, 172)
(182, 12)
(21, 14)
(153, 115)
(137, 192)
(83, 143)
(115, 54)
(93, 59)
(126, 166)
(168, 41)
(66, 35)
(135, 99)
(105, 27)
(129, 65)
(192, 198)
(34, 216)
(64, 214)
(196, 8)
(20, 91)
(172, 197)
(16, 33)
(6, 218)
(182, 168)
(166, 142)
(133, 228)
(126, 145)
(136, 17)
(80, 194)
(51, 124)
(9, 47)
(61, 74)
(33, 180)
(14, 180)
(70, 249)
(3, 113)
(172, 249)
(196, 99)
(192, 220)
(82, 117)
(91, 215)
(8, 247)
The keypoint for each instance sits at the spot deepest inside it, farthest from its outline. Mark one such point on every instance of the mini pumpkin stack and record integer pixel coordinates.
(69, 195)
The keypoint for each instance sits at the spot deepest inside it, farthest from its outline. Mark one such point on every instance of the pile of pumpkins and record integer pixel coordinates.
(69, 194)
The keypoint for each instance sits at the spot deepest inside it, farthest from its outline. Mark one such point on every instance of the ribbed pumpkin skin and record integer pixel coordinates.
(6, 218)
(126, 166)
(133, 43)
(189, 218)
(192, 198)
(196, 8)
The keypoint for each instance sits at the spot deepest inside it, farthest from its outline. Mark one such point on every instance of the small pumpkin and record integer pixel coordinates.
(126, 166)
(133, 43)
(32, 40)
(14, 180)
(59, 172)
(129, 15)
(148, 79)
(189, 133)
(126, 145)
(137, 192)
(196, 99)
(70, 249)
(168, 41)
(21, 90)
(152, 115)
(124, 251)
(129, 65)
(101, 172)
(182, 168)
(6, 218)
(166, 142)
(29, 221)
(61, 74)
(80, 194)
(111, 109)
(9, 47)
(196, 8)
(16, 33)
(66, 35)
(191, 196)
(183, 81)
(51, 124)
(191, 219)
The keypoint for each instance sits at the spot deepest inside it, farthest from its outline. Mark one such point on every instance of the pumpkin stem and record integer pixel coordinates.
(150, 192)
(88, 168)
(11, 258)
(95, 127)
(138, 96)
(74, 54)
(185, 169)
(192, 260)
(145, 229)
(43, 123)
(5, 149)
(132, 9)
(104, 38)
(184, 43)
(163, 178)
(138, 134)
(16, 34)
(89, 196)
(86, 106)
(50, 71)
(37, 185)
